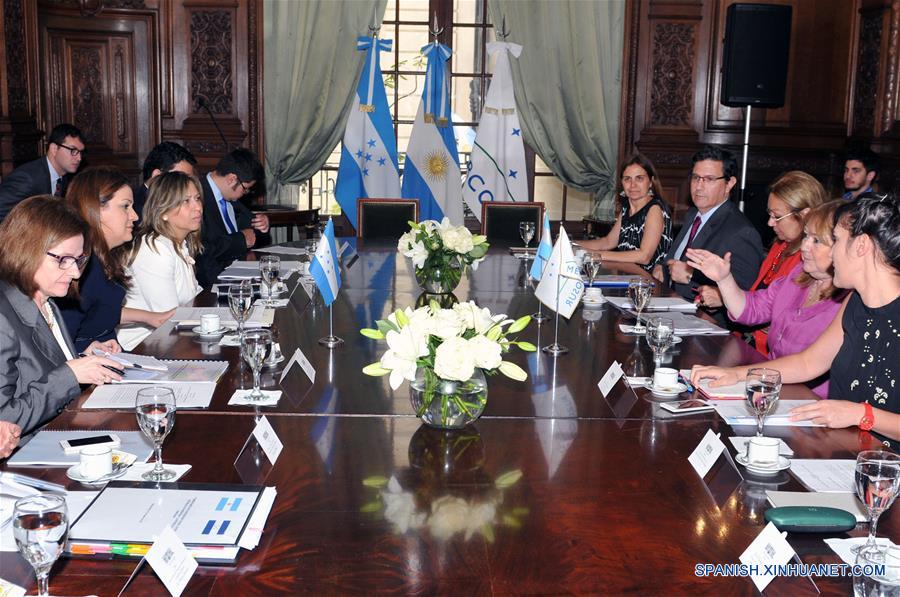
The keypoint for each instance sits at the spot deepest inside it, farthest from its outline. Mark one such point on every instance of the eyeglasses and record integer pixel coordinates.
(776, 220)
(67, 261)
(705, 179)
(246, 188)
(73, 150)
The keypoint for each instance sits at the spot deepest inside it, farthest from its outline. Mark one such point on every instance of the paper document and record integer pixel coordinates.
(122, 396)
(279, 249)
(657, 303)
(136, 361)
(190, 316)
(178, 372)
(737, 412)
(286, 267)
(841, 501)
(825, 474)
(610, 281)
(44, 448)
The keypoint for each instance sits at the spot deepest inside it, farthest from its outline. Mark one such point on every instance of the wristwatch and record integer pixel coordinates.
(868, 419)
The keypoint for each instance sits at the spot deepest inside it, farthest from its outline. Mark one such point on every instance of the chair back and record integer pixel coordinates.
(500, 221)
(385, 219)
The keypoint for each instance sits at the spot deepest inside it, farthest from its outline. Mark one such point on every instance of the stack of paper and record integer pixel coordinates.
(121, 396)
(178, 372)
(826, 475)
(190, 316)
(736, 412)
(657, 303)
(609, 281)
(282, 250)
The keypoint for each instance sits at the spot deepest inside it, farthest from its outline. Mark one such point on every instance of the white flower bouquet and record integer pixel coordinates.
(440, 253)
(444, 354)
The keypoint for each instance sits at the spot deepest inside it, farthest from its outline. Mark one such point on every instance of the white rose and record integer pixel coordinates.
(485, 352)
(406, 240)
(446, 324)
(458, 239)
(449, 515)
(453, 360)
(476, 318)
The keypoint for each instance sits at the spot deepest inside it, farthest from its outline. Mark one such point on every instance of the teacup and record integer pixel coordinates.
(95, 461)
(210, 323)
(665, 377)
(763, 451)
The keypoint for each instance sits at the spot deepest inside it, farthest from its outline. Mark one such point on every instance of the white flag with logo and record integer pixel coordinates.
(561, 286)
(497, 165)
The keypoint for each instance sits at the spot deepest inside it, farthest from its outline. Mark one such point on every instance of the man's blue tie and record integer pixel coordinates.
(224, 207)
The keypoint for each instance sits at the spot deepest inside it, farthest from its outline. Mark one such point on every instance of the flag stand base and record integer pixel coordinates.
(331, 341)
(539, 317)
(555, 349)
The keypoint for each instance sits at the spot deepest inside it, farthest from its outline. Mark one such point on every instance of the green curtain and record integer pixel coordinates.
(568, 83)
(311, 71)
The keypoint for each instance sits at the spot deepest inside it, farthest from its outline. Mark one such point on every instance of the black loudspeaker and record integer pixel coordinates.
(757, 40)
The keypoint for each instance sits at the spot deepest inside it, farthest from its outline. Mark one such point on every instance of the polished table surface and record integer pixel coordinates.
(556, 489)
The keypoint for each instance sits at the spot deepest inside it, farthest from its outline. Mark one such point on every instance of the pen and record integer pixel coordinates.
(687, 382)
(115, 370)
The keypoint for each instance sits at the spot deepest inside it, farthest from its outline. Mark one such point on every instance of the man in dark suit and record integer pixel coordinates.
(714, 224)
(229, 228)
(47, 175)
(165, 157)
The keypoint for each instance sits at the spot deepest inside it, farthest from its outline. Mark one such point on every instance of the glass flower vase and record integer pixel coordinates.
(448, 404)
(440, 279)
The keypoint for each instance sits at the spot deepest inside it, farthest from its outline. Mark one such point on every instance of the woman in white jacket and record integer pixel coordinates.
(162, 259)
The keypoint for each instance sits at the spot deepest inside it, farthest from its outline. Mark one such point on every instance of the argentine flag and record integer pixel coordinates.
(497, 165)
(543, 251)
(431, 170)
(324, 267)
(369, 153)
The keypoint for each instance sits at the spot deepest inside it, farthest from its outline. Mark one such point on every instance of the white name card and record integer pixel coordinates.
(268, 439)
(769, 550)
(705, 455)
(171, 560)
(299, 358)
(609, 379)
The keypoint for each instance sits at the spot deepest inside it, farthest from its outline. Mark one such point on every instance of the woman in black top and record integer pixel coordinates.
(103, 198)
(642, 232)
(861, 347)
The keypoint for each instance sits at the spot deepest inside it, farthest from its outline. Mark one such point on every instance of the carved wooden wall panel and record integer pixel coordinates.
(672, 90)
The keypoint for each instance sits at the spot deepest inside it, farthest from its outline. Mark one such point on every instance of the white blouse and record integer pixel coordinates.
(160, 280)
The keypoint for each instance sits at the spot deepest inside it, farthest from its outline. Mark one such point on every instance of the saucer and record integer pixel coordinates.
(593, 300)
(268, 363)
(74, 473)
(783, 464)
(214, 334)
(670, 391)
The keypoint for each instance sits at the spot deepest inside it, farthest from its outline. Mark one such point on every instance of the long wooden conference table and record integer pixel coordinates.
(555, 489)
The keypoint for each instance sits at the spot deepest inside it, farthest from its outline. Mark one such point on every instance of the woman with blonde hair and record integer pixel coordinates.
(102, 196)
(162, 258)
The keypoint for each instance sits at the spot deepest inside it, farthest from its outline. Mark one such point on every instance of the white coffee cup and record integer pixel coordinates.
(665, 377)
(209, 323)
(95, 461)
(763, 451)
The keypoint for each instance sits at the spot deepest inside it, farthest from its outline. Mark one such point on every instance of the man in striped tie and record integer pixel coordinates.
(714, 224)
(229, 228)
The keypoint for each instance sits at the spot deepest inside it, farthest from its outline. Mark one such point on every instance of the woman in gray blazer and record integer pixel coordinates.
(40, 372)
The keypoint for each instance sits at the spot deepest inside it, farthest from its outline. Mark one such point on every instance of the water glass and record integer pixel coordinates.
(240, 301)
(639, 292)
(660, 336)
(878, 576)
(269, 269)
(762, 392)
(255, 347)
(155, 409)
(40, 527)
(877, 484)
(590, 267)
(526, 231)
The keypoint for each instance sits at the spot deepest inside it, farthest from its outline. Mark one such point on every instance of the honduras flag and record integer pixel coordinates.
(369, 153)
(497, 166)
(543, 251)
(431, 170)
(324, 267)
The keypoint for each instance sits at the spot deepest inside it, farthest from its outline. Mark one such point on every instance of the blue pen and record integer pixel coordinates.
(690, 386)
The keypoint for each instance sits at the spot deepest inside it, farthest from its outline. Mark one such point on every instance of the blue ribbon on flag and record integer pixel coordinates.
(370, 69)
(437, 91)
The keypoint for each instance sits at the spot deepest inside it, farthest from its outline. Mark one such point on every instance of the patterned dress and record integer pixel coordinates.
(632, 231)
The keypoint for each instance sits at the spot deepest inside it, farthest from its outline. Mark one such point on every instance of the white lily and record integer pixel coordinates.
(404, 349)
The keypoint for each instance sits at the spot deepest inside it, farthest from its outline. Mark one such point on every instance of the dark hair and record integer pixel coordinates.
(241, 162)
(878, 217)
(869, 158)
(717, 154)
(164, 156)
(638, 159)
(31, 229)
(88, 193)
(61, 131)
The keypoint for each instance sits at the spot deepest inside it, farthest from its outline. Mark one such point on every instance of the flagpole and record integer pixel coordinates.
(330, 341)
(539, 317)
(555, 349)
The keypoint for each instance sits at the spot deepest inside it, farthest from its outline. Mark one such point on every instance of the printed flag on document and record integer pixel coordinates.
(497, 166)
(545, 247)
(369, 153)
(431, 170)
(324, 268)
(561, 287)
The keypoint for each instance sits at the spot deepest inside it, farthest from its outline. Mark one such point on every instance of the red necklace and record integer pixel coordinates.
(776, 263)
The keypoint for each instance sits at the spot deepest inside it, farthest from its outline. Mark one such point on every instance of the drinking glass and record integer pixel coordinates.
(877, 484)
(269, 268)
(877, 576)
(240, 301)
(660, 335)
(155, 408)
(639, 291)
(590, 267)
(762, 391)
(255, 347)
(40, 526)
(526, 231)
